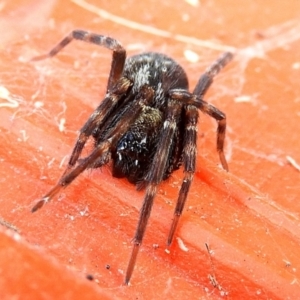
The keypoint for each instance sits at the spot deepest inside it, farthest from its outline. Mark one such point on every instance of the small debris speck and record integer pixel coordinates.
(181, 245)
(155, 246)
(90, 277)
(191, 56)
(293, 163)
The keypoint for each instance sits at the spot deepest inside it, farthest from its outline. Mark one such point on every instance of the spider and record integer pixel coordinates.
(146, 125)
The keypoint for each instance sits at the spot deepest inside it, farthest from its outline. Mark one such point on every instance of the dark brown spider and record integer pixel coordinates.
(146, 124)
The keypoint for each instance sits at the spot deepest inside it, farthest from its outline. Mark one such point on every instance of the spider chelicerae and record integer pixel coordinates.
(146, 125)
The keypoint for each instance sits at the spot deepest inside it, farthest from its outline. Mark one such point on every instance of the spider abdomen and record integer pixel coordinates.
(135, 149)
(158, 71)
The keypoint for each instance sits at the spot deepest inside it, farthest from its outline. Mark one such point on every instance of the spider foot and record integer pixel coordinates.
(173, 229)
(40, 57)
(46, 198)
(223, 161)
(39, 205)
(131, 263)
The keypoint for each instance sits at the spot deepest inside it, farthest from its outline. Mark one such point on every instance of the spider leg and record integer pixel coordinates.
(201, 88)
(117, 85)
(220, 117)
(153, 178)
(133, 110)
(212, 111)
(190, 142)
(119, 53)
(189, 164)
(97, 118)
(206, 79)
(68, 178)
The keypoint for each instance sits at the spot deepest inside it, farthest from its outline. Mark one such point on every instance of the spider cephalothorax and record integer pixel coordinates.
(146, 125)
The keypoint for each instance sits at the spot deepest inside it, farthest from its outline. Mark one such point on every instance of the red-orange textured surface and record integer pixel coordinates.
(249, 217)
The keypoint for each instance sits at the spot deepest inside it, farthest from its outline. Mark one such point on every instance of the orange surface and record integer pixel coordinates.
(248, 217)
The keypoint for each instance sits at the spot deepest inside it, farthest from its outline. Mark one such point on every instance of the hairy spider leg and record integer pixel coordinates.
(66, 179)
(145, 96)
(220, 117)
(206, 79)
(189, 163)
(114, 86)
(118, 58)
(154, 177)
(190, 135)
(202, 86)
(189, 149)
(97, 118)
